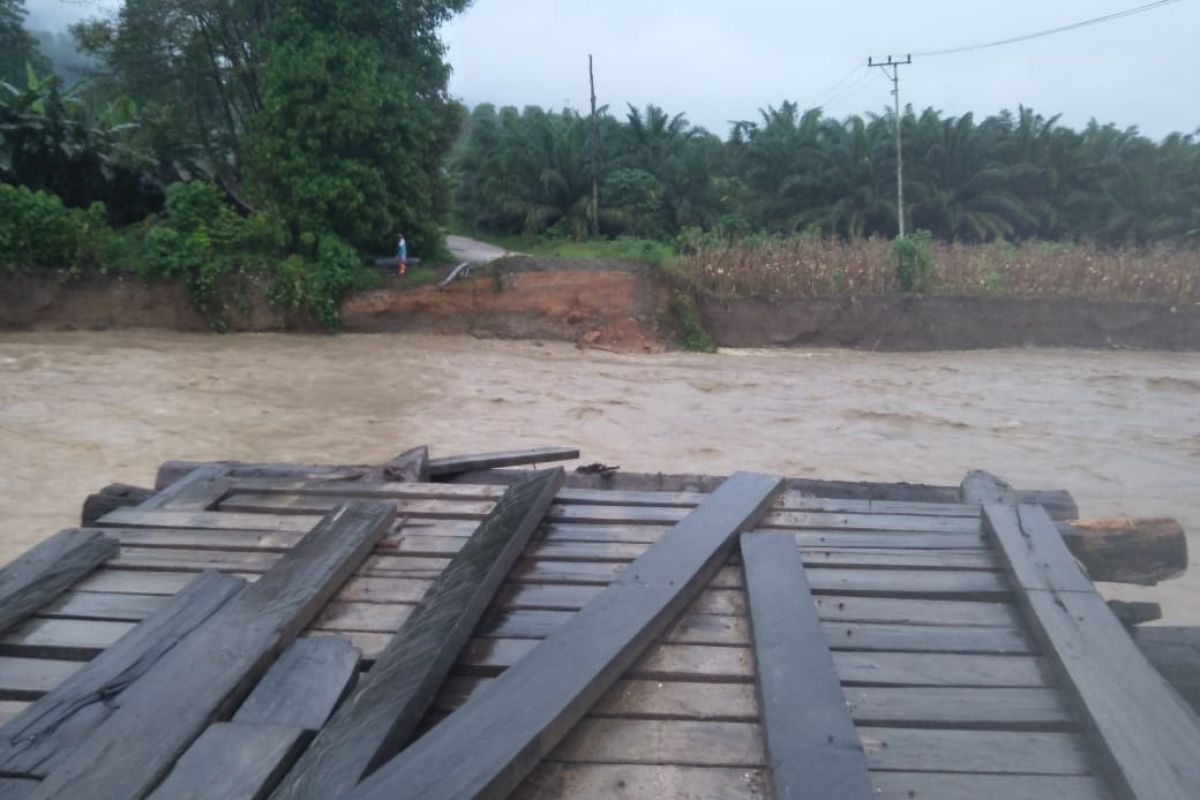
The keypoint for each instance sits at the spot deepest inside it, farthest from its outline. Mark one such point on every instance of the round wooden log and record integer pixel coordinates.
(1125, 550)
(110, 498)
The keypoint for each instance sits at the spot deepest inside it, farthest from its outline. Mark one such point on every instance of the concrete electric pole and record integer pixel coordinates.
(891, 68)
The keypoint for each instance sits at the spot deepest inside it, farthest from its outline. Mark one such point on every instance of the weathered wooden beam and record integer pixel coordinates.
(411, 466)
(379, 718)
(196, 491)
(813, 749)
(111, 497)
(1058, 503)
(51, 729)
(304, 686)
(233, 761)
(171, 471)
(1142, 552)
(1175, 653)
(1147, 736)
(492, 742)
(49, 569)
(212, 670)
(454, 465)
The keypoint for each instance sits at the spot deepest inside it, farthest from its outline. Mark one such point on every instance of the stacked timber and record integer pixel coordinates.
(469, 628)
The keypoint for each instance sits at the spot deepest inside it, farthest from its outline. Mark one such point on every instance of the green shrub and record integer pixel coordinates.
(37, 230)
(912, 256)
(687, 316)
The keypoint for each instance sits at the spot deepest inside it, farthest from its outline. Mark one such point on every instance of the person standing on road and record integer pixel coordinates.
(401, 256)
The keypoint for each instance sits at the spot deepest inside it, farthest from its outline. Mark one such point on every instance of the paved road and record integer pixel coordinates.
(465, 249)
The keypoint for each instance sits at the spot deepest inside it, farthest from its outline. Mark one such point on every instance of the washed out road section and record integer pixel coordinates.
(1120, 430)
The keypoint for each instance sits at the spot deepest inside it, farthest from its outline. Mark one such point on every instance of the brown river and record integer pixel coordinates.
(1120, 430)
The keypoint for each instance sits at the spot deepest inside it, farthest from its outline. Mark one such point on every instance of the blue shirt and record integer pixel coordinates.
(402, 250)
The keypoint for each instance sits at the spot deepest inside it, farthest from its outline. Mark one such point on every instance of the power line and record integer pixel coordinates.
(1052, 31)
(824, 96)
(850, 90)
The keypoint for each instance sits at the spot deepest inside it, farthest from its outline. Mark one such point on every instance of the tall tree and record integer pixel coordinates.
(18, 48)
(355, 119)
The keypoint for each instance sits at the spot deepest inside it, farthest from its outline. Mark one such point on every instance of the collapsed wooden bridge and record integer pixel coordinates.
(446, 628)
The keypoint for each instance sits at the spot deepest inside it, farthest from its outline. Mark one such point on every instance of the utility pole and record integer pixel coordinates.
(891, 68)
(595, 140)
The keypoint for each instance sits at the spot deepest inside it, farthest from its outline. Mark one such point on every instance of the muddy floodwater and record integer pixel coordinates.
(1120, 430)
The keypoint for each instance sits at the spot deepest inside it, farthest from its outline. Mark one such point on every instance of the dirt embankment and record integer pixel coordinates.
(623, 307)
(939, 322)
(613, 309)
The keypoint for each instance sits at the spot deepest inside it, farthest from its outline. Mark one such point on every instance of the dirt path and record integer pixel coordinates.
(1120, 430)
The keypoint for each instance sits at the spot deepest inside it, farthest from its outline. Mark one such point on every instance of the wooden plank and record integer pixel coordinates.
(553, 781)
(233, 761)
(550, 781)
(11, 708)
(380, 717)
(735, 631)
(49, 569)
(55, 726)
(934, 786)
(196, 491)
(489, 657)
(411, 466)
(304, 686)
(1149, 736)
(788, 500)
(813, 750)
(495, 740)
(775, 519)
(30, 678)
(16, 788)
(1024, 708)
(453, 465)
(1034, 564)
(216, 520)
(214, 668)
(739, 744)
(103, 606)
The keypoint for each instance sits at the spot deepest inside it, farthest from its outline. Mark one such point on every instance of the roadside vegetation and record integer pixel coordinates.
(240, 145)
(218, 142)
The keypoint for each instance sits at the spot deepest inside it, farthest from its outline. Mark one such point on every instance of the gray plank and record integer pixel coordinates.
(233, 761)
(379, 718)
(1149, 736)
(213, 669)
(16, 788)
(490, 744)
(30, 678)
(304, 686)
(453, 465)
(52, 728)
(813, 750)
(196, 491)
(48, 570)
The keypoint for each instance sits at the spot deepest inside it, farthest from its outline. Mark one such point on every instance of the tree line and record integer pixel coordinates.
(332, 116)
(1012, 176)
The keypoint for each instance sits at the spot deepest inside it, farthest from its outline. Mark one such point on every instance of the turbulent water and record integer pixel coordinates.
(1120, 430)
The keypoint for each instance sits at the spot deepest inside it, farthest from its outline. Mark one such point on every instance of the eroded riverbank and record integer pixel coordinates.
(1120, 430)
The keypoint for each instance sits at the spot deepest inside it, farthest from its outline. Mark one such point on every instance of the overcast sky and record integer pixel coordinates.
(722, 60)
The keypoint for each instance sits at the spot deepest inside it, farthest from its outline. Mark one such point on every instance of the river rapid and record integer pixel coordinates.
(1120, 430)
